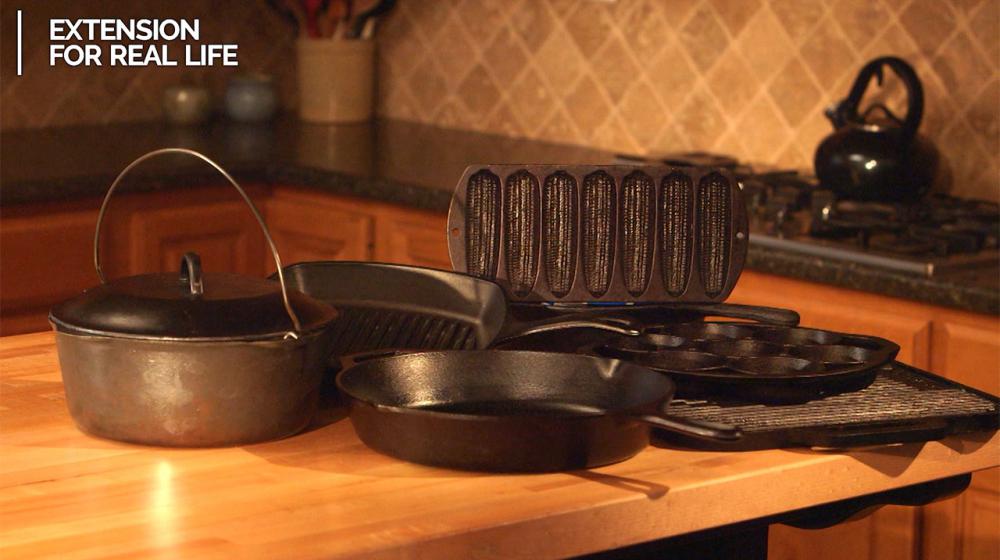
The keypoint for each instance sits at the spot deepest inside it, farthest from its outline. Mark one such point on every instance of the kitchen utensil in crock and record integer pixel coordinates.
(398, 306)
(510, 411)
(877, 159)
(368, 13)
(604, 233)
(191, 359)
(753, 362)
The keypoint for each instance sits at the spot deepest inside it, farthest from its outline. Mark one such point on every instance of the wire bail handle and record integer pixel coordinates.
(296, 324)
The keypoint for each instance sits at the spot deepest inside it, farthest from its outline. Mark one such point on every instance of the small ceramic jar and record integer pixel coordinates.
(251, 98)
(186, 104)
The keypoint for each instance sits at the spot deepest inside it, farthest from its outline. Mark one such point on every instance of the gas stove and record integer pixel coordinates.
(790, 211)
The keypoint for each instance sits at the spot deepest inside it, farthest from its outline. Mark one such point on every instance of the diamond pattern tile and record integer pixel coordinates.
(929, 22)
(795, 93)
(861, 22)
(735, 13)
(614, 69)
(704, 38)
(632, 75)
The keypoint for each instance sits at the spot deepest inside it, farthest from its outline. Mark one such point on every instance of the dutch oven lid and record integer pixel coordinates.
(190, 305)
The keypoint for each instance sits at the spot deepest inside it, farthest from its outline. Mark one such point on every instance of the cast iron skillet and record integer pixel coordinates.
(511, 411)
(398, 306)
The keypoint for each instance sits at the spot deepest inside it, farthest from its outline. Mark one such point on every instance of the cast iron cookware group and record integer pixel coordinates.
(199, 359)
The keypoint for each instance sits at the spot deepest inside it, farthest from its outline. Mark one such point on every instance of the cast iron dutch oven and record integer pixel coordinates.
(191, 359)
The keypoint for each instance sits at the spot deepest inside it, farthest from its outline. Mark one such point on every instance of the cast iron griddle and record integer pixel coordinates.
(588, 233)
(903, 404)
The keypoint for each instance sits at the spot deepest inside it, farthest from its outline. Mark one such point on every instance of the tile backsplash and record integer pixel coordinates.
(746, 77)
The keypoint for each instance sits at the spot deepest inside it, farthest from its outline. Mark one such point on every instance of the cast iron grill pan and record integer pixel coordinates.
(903, 404)
(611, 233)
(386, 306)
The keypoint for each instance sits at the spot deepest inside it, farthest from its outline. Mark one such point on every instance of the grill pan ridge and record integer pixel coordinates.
(600, 233)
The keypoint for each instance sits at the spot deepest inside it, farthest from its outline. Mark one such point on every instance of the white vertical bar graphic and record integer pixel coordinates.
(19, 40)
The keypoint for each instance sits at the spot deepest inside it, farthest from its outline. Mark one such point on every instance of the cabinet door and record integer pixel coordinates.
(309, 226)
(891, 532)
(47, 257)
(966, 348)
(224, 234)
(412, 237)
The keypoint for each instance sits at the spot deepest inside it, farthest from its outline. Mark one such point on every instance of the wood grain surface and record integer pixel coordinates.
(323, 494)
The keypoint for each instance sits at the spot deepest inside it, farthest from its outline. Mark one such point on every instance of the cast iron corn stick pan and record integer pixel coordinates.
(397, 306)
(511, 411)
(600, 233)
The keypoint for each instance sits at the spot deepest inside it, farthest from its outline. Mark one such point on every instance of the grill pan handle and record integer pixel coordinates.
(699, 429)
(882, 434)
(296, 324)
(761, 314)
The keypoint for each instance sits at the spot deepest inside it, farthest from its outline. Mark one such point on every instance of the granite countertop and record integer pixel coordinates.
(392, 161)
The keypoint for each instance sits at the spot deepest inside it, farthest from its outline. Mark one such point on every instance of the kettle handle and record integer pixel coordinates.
(296, 324)
(847, 110)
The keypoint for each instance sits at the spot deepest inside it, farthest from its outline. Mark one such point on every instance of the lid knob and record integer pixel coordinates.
(191, 273)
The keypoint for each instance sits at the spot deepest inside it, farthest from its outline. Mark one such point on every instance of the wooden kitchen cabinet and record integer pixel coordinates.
(311, 226)
(47, 252)
(959, 345)
(214, 223)
(967, 349)
(46, 257)
(412, 237)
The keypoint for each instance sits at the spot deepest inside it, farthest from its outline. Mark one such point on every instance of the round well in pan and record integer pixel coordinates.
(681, 360)
(702, 331)
(742, 348)
(833, 353)
(797, 336)
(775, 366)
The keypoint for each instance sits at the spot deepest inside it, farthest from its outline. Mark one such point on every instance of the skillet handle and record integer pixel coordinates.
(618, 325)
(761, 314)
(699, 429)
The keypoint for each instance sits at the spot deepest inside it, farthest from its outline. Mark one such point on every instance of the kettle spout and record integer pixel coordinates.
(837, 114)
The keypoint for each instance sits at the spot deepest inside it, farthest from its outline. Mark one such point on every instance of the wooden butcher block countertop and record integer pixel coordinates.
(324, 494)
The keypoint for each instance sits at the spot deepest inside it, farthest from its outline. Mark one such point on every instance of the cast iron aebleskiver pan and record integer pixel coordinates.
(607, 233)
(398, 306)
(511, 411)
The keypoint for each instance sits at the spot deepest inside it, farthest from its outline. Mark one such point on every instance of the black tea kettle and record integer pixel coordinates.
(877, 159)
